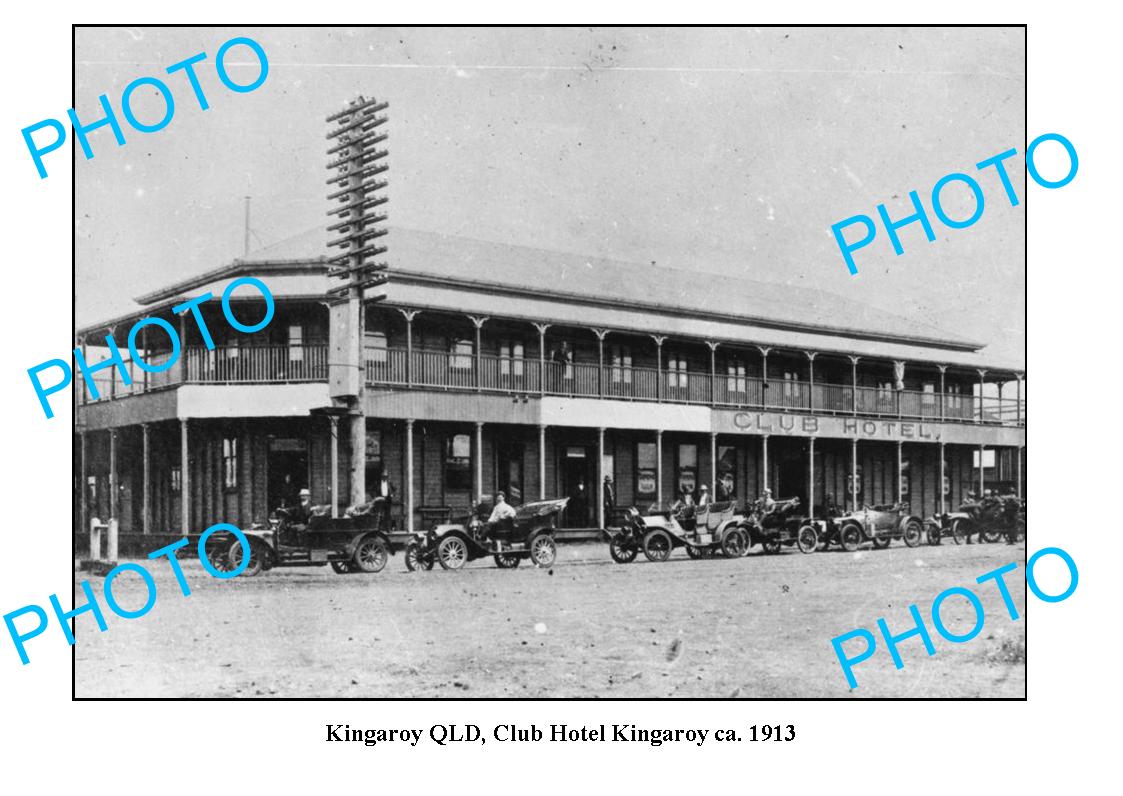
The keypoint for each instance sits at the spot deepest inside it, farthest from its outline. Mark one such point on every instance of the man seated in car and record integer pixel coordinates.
(502, 514)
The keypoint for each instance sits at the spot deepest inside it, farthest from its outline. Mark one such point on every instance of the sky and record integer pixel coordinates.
(728, 151)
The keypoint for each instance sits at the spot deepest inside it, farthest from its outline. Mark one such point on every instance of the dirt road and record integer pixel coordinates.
(759, 626)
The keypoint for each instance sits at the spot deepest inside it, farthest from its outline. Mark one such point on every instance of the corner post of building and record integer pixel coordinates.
(1021, 378)
(184, 480)
(599, 491)
(900, 473)
(810, 476)
(659, 466)
(943, 477)
(479, 460)
(764, 381)
(1018, 471)
(409, 474)
(409, 315)
(114, 497)
(854, 384)
(982, 386)
(811, 379)
(541, 327)
(147, 357)
(898, 383)
(659, 340)
(600, 333)
(713, 344)
(764, 462)
(713, 465)
(83, 499)
(943, 395)
(184, 351)
(478, 321)
(541, 461)
(146, 479)
(854, 474)
(334, 465)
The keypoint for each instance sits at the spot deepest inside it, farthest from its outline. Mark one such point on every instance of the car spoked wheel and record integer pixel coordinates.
(622, 552)
(657, 546)
(507, 560)
(807, 540)
(851, 537)
(772, 546)
(452, 553)
(881, 542)
(912, 533)
(371, 555)
(733, 545)
(255, 564)
(933, 533)
(343, 567)
(218, 550)
(543, 551)
(957, 531)
(415, 561)
(695, 552)
(990, 537)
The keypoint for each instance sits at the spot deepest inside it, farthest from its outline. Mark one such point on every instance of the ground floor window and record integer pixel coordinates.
(647, 469)
(687, 469)
(458, 462)
(726, 472)
(230, 462)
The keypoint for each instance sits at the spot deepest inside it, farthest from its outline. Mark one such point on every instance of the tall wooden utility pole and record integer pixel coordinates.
(355, 166)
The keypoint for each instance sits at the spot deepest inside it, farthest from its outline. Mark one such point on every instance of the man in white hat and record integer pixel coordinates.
(704, 496)
(303, 510)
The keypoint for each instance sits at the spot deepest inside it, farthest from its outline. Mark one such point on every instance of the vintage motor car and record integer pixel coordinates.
(782, 526)
(703, 532)
(354, 543)
(529, 534)
(877, 524)
(991, 518)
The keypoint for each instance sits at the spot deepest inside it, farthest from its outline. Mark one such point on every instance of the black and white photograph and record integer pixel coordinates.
(553, 362)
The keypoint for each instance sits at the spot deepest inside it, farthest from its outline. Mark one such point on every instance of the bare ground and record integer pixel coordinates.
(760, 626)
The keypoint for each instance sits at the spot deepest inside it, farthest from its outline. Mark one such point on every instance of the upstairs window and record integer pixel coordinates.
(620, 358)
(296, 343)
(376, 348)
(676, 370)
(736, 380)
(511, 358)
(461, 351)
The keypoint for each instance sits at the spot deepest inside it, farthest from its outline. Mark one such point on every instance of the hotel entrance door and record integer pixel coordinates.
(577, 483)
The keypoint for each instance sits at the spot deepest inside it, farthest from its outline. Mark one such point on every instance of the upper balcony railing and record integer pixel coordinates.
(529, 376)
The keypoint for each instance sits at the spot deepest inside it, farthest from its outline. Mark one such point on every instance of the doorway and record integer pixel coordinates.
(288, 471)
(791, 480)
(577, 478)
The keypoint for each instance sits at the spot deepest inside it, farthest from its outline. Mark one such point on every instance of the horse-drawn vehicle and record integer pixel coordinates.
(355, 543)
(703, 531)
(529, 534)
(992, 518)
(877, 524)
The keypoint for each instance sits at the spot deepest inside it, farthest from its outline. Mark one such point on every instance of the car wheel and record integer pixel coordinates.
(733, 545)
(371, 555)
(957, 531)
(771, 546)
(256, 564)
(657, 546)
(342, 567)
(414, 559)
(695, 552)
(622, 552)
(543, 550)
(933, 533)
(851, 538)
(808, 539)
(990, 537)
(912, 533)
(881, 542)
(507, 560)
(218, 552)
(1020, 531)
(452, 553)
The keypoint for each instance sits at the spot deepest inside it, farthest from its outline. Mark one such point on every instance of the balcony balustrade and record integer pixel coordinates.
(488, 373)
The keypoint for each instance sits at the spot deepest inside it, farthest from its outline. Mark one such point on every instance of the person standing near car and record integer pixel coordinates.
(609, 496)
(385, 496)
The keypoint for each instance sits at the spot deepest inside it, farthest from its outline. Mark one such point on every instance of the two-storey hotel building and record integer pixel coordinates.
(493, 367)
